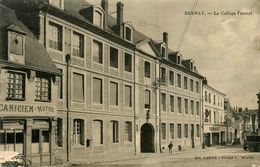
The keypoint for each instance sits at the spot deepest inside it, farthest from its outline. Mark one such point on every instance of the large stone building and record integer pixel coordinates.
(120, 90)
(214, 127)
(28, 80)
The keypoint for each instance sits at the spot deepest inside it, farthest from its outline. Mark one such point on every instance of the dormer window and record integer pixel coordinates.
(128, 32)
(178, 59)
(191, 66)
(163, 53)
(57, 3)
(16, 44)
(98, 18)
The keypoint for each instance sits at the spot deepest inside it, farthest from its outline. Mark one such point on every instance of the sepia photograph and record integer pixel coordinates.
(131, 83)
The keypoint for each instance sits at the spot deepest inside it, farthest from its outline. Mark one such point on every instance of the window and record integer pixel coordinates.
(128, 96)
(192, 107)
(163, 75)
(215, 118)
(78, 45)
(147, 101)
(179, 104)
(210, 116)
(78, 87)
(56, 3)
(214, 99)
(128, 33)
(43, 89)
(16, 43)
(147, 70)
(185, 83)
(114, 126)
(35, 136)
(16, 85)
(171, 103)
(97, 132)
(163, 131)
(128, 62)
(55, 36)
(206, 96)
(163, 101)
(179, 80)
(97, 91)
(78, 132)
(191, 85)
(9, 137)
(98, 18)
(172, 131)
(186, 130)
(58, 132)
(209, 97)
(197, 87)
(97, 52)
(179, 130)
(186, 106)
(198, 130)
(59, 83)
(128, 131)
(198, 107)
(113, 94)
(113, 57)
(171, 77)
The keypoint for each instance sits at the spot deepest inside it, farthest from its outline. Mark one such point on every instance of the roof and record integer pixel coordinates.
(253, 111)
(36, 55)
(206, 85)
(78, 8)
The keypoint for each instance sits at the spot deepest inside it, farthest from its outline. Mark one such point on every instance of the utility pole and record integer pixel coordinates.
(258, 101)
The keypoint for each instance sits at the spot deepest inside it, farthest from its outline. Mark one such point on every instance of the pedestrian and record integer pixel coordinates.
(170, 147)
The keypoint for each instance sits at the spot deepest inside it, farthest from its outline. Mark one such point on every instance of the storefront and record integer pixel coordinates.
(28, 129)
(214, 135)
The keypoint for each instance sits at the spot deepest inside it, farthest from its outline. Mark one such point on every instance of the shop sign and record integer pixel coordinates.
(214, 128)
(19, 109)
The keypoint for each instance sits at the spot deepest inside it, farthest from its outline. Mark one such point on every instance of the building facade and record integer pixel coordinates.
(120, 90)
(215, 127)
(28, 80)
(249, 123)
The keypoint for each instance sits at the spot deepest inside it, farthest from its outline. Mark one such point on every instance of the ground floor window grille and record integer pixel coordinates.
(78, 132)
(128, 131)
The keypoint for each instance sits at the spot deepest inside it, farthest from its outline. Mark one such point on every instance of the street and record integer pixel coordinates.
(228, 156)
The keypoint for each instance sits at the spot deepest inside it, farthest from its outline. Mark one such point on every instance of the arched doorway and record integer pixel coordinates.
(147, 138)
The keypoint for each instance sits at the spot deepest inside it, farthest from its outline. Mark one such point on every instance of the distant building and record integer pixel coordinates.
(121, 93)
(232, 122)
(249, 122)
(28, 86)
(214, 121)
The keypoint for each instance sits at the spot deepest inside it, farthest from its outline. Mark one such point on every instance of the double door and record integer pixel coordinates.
(40, 146)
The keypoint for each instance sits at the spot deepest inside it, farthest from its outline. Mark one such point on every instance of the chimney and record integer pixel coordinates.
(120, 10)
(165, 38)
(104, 5)
(204, 81)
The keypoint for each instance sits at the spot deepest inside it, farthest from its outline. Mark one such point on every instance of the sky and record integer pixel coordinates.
(225, 48)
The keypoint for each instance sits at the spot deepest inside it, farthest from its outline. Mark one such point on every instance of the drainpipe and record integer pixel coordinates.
(159, 94)
(202, 119)
(134, 105)
(68, 60)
